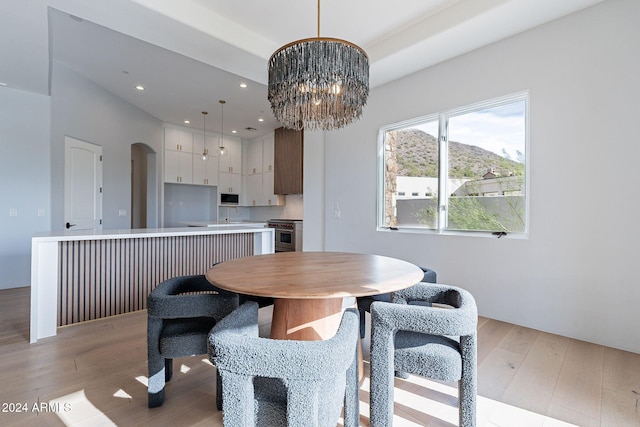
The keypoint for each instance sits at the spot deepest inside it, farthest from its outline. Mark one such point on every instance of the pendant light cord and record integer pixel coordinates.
(318, 18)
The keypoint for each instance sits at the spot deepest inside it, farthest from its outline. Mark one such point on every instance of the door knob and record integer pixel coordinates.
(69, 225)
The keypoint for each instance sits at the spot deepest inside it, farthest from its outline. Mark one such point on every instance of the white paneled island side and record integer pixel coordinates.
(84, 275)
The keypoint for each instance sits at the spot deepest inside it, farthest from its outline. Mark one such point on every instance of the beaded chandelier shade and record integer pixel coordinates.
(318, 83)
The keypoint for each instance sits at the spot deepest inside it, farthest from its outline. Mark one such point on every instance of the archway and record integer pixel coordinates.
(144, 200)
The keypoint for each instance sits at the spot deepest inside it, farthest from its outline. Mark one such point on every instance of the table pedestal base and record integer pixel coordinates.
(309, 320)
(306, 319)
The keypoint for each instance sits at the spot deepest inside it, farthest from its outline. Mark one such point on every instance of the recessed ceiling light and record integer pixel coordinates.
(261, 119)
(243, 85)
(140, 87)
(234, 131)
(187, 122)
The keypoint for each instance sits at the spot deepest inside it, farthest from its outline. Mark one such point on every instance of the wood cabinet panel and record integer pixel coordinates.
(288, 161)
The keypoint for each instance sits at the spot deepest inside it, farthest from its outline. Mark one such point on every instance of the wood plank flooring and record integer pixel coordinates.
(94, 374)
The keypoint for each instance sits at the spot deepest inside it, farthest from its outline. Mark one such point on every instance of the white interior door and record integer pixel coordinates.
(82, 185)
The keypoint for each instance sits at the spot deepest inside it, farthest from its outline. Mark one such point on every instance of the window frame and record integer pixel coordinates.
(443, 167)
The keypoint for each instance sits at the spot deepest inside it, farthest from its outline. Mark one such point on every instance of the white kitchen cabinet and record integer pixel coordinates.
(230, 183)
(232, 162)
(208, 145)
(254, 157)
(205, 172)
(178, 167)
(253, 191)
(230, 172)
(259, 173)
(268, 152)
(178, 140)
(178, 161)
(268, 197)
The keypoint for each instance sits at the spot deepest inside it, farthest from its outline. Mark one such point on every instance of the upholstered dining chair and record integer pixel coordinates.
(364, 303)
(436, 340)
(269, 382)
(181, 312)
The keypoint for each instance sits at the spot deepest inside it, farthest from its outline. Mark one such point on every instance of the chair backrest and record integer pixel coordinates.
(315, 373)
(190, 296)
(461, 320)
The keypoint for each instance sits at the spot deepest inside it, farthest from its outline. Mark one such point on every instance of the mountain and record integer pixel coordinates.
(417, 155)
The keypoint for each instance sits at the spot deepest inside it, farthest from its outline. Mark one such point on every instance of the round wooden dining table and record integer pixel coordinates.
(309, 287)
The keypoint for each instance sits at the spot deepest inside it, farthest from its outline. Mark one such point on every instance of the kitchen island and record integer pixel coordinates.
(89, 274)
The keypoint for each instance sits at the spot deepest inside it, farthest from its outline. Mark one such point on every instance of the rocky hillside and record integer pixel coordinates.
(417, 155)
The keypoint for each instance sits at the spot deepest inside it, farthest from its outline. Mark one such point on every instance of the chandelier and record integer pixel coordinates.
(318, 83)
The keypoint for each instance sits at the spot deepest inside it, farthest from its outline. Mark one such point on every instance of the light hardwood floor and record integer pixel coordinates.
(95, 374)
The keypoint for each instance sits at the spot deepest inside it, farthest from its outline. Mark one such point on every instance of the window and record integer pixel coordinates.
(470, 164)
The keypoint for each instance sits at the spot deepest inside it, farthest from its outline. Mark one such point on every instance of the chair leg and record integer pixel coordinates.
(156, 364)
(156, 381)
(382, 372)
(468, 385)
(168, 369)
(352, 398)
(362, 323)
(218, 390)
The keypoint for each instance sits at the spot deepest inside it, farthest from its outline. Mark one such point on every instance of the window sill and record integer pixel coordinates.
(485, 234)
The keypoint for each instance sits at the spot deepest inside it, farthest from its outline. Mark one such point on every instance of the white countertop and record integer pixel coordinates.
(257, 224)
(151, 232)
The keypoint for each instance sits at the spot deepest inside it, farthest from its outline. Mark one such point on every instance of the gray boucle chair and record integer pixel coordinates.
(430, 341)
(364, 303)
(291, 383)
(181, 312)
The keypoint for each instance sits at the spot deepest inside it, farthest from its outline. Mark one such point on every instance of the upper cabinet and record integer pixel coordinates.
(208, 145)
(268, 144)
(178, 156)
(205, 169)
(232, 162)
(230, 173)
(288, 161)
(205, 160)
(272, 164)
(178, 140)
(259, 173)
(178, 167)
(254, 157)
(183, 158)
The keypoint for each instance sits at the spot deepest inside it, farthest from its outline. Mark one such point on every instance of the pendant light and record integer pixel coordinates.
(318, 83)
(205, 152)
(222, 151)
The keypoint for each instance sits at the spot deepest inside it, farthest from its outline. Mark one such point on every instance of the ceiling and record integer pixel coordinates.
(192, 53)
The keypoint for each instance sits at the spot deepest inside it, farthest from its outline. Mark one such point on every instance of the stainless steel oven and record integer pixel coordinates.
(288, 234)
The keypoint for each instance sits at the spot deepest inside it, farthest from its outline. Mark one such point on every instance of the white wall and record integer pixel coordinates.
(86, 111)
(313, 180)
(25, 180)
(575, 274)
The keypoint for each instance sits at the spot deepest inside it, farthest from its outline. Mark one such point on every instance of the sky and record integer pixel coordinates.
(498, 129)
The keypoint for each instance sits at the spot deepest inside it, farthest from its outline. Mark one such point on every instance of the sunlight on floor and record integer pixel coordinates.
(143, 380)
(75, 409)
(122, 394)
(419, 398)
